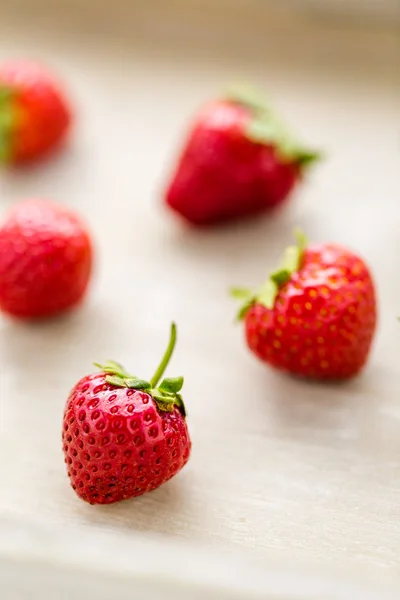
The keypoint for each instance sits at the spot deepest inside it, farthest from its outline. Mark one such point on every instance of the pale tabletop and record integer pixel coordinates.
(279, 466)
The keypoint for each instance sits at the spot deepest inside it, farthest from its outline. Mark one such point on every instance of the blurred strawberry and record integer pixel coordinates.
(45, 259)
(34, 114)
(239, 160)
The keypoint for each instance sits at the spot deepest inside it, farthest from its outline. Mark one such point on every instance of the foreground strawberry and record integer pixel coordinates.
(239, 160)
(123, 436)
(45, 260)
(34, 114)
(316, 314)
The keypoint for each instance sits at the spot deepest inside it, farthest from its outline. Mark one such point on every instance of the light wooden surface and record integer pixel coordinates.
(99, 565)
(367, 12)
(279, 467)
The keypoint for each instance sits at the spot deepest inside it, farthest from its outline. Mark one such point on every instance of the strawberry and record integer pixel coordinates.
(34, 114)
(124, 436)
(45, 259)
(239, 160)
(316, 314)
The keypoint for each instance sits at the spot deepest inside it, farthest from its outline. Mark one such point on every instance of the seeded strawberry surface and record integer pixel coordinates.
(124, 436)
(118, 444)
(45, 260)
(323, 319)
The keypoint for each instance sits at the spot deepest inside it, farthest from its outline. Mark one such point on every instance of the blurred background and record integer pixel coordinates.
(316, 482)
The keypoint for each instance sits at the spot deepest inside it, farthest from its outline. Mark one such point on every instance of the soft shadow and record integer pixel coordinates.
(49, 352)
(300, 407)
(228, 243)
(162, 511)
(39, 178)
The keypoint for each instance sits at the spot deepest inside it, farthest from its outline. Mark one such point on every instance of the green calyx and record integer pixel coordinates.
(7, 123)
(265, 127)
(166, 395)
(291, 263)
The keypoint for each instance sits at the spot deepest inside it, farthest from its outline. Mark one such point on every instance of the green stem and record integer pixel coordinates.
(165, 359)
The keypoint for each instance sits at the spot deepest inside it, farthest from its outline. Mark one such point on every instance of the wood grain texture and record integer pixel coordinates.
(279, 466)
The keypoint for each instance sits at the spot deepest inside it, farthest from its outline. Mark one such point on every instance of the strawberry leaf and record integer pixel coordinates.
(162, 396)
(165, 396)
(291, 263)
(280, 276)
(137, 384)
(179, 402)
(301, 239)
(263, 131)
(248, 96)
(115, 380)
(244, 309)
(308, 157)
(246, 296)
(241, 293)
(165, 402)
(164, 405)
(8, 118)
(110, 366)
(265, 127)
(268, 294)
(171, 385)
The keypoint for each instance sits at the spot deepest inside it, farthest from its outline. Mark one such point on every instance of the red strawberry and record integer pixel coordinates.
(238, 161)
(123, 436)
(316, 314)
(45, 259)
(34, 114)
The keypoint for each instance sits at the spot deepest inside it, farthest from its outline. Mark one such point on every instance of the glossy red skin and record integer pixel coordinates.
(118, 444)
(324, 318)
(222, 175)
(45, 260)
(43, 113)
